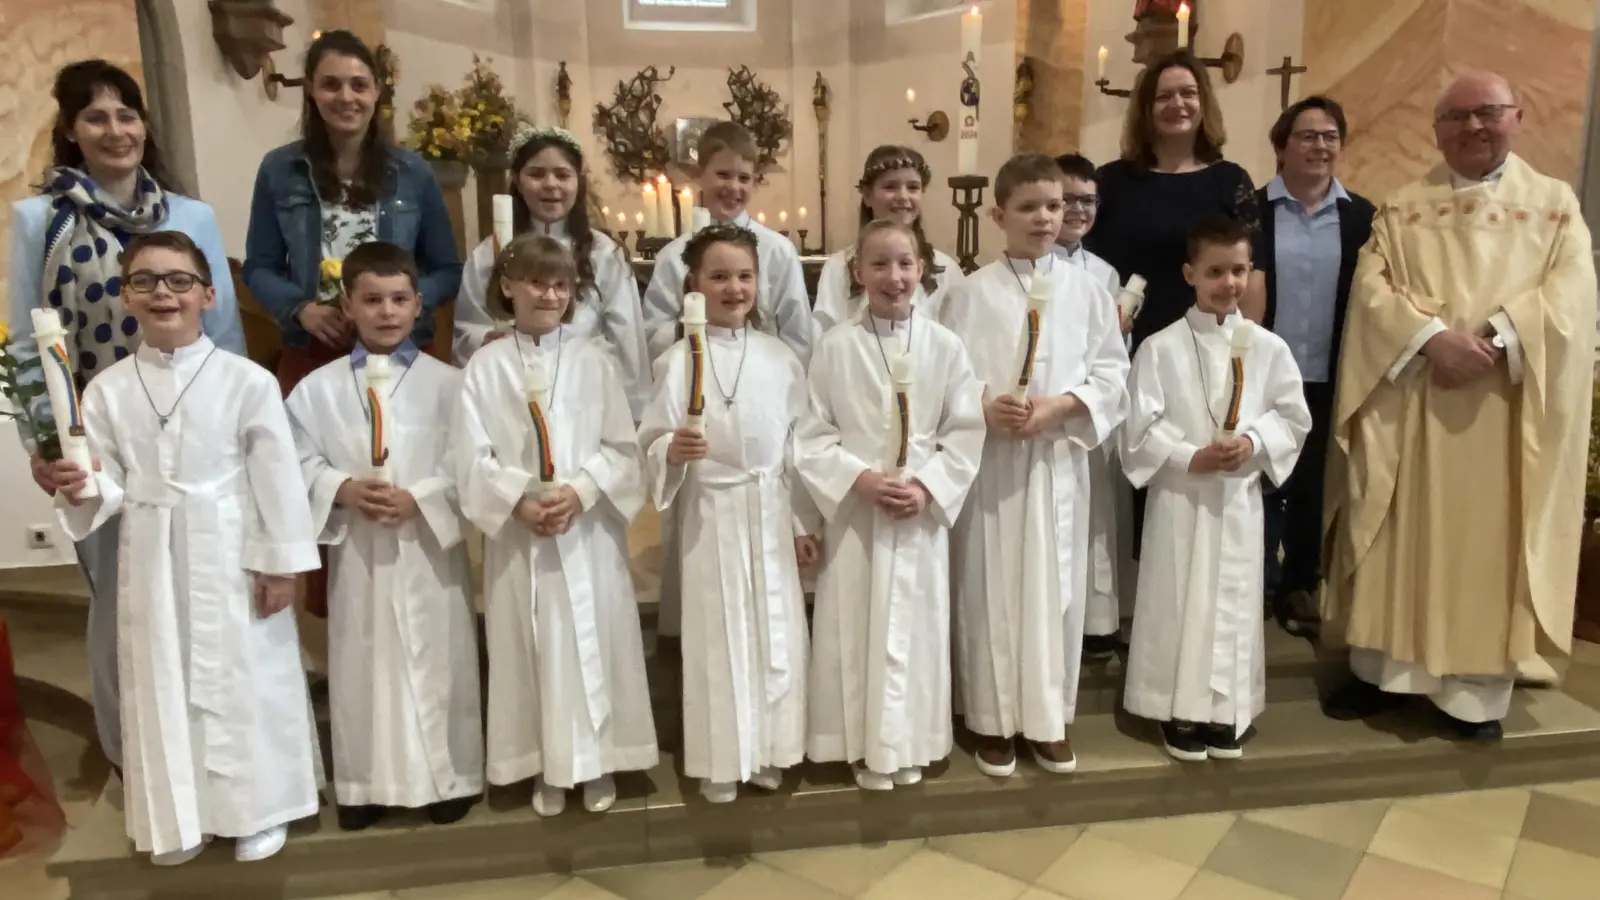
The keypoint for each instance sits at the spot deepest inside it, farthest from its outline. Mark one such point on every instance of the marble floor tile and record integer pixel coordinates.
(1293, 864)
(929, 875)
(536, 887)
(762, 882)
(581, 889)
(24, 876)
(1346, 824)
(1499, 811)
(1549, 873)
(682, 880)
(848, 871)
(1582, 791)
(1378, 878)
(1040, 894)
(1463, 849)
(1561, 822)
(1024, 855)
(1208, 885)
(1186, 839)
(1097, 868)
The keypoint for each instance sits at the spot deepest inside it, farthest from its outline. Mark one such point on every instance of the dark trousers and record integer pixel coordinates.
(1294, 510)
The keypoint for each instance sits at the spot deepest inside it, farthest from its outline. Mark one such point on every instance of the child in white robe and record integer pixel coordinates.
(1216, 405)
(548, 467)
(892, 183)
(193, 447)
(727, 178)
(1110, 496)
(888, 447)
(747, 525)
(403, 671)
(550, 196)
(1020, 550)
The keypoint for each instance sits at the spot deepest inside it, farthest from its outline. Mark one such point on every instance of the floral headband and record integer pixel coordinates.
(893, 163)
(717, 234)
(527, 131)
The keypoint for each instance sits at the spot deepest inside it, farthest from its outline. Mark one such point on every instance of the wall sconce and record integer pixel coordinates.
(1231, 62)
(248, 32)
(937, 126)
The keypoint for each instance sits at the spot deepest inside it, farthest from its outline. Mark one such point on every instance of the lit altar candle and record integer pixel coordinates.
(900, 375)
(686, 203)
(1238, 348)
(1040, 289)
(605, 212)
(1101, 67)
(669, 225)
(650, 219)
(638, 219)
(380, 373)
(63, 391)
(911, 96)
(694, 332)
(801, 216)
(1183, 25)
(502, 222)
(783, 218)
(761, 217)
(971, 54)
(536, 390)
(622, 222)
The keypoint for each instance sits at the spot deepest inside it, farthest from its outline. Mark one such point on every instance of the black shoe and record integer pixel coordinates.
(1473, 732)
(357, 818)
(1101, 646)
(1183, 741)
(1221, 741)
(447, 811)
(1297, 614)
(1357, 699)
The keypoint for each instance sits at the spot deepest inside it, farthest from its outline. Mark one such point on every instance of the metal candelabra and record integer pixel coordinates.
(967, 194)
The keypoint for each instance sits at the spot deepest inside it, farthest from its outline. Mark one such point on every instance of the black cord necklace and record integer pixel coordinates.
(139, 370)
(1048, 271)
(361, 399)
(910, 324)
(744, 349)
(1200, 363)
(555, 377)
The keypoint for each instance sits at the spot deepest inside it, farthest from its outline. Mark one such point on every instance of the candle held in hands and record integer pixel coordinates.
(380, 377)
(900, 374)
(502, 222)
(694, 333)
(1040, 289)
(1131, 297)
(1238, 349)
(536, 390)
(63, 392)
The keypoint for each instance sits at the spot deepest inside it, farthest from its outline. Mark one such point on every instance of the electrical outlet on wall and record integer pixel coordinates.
(41, 537)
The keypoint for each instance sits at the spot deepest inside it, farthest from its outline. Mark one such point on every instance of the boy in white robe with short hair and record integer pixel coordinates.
(193, 447)
(1044, 341)
(888, 447)
(403, 671)
(1217, 404)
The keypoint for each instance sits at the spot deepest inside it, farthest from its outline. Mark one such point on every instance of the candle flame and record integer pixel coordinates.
(661, 179)
(639, 217)
(1183, 10)
(974, 10)
(1104, 53)
(911, 95)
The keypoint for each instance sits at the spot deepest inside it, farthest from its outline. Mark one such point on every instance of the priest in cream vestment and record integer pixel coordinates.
(1456, 479)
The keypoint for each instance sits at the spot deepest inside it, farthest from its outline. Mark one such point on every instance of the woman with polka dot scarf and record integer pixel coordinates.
(106, 183)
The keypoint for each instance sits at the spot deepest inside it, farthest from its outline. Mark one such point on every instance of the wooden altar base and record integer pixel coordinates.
(1297, 757)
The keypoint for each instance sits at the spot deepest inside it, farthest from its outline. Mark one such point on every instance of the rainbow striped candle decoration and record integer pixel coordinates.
(1040, 289)
(1238, 348)
(62, 388)
(537, 391)
(380, 375)
(694, 333)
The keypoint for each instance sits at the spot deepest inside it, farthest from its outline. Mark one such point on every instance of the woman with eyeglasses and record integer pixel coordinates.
(105, 185)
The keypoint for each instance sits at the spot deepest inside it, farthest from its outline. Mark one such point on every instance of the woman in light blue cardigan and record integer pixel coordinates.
(105, 185)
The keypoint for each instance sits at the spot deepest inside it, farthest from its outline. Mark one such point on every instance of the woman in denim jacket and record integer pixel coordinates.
(341, 185)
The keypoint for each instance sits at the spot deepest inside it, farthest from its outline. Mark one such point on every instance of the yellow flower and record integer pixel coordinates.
(333, 269)
(5, 333)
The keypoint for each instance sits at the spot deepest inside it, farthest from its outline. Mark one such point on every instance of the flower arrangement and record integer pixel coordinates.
(21, 383)
(473, 124)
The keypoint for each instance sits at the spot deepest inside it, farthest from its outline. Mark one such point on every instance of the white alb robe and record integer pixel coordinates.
(609, 308)
(567, 693)
(403, 662)
(216, 722)
(781, 296)
(880, 670)
(1196, 650)
(1020, 550)
(836, 303)
(745, 637)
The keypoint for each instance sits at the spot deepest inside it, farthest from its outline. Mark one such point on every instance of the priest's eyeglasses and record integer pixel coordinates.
(1488, 114)
(177, 282)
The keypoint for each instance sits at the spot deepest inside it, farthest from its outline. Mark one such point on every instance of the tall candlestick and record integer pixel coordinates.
(900, 375)
(63, 392)
(669, 225)
(694, 332)
(1238, 348)
(380, 374)
(502, 222)
(971, 55)
(1183, 25)
(1040, 290)
(1101, 67)
(536, 391)
(650, 219)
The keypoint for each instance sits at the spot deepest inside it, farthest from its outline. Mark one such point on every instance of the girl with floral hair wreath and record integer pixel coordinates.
(550, 196)
(892, 182)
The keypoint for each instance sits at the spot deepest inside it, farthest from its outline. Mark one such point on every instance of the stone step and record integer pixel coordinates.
(1297, 756)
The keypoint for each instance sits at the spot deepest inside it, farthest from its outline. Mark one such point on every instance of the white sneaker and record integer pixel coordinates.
(548, 800)
(768, 779)
(179, 857)
(868, 780)
(600, 794)
(908, 776)
(719, 791)
(262, 844)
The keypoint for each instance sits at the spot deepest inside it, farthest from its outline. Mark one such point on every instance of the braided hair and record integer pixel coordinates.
(694, 255)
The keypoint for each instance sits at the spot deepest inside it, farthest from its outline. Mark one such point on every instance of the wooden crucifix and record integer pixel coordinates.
(1287, 72)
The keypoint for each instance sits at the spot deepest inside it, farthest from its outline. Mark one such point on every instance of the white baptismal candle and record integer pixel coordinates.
(900, 374)
(1131, 298)
(63, 391)
(1238, 349)
(1040, 288)
(502, 222)
(536, 390)
(380, 378)
(694, 332)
